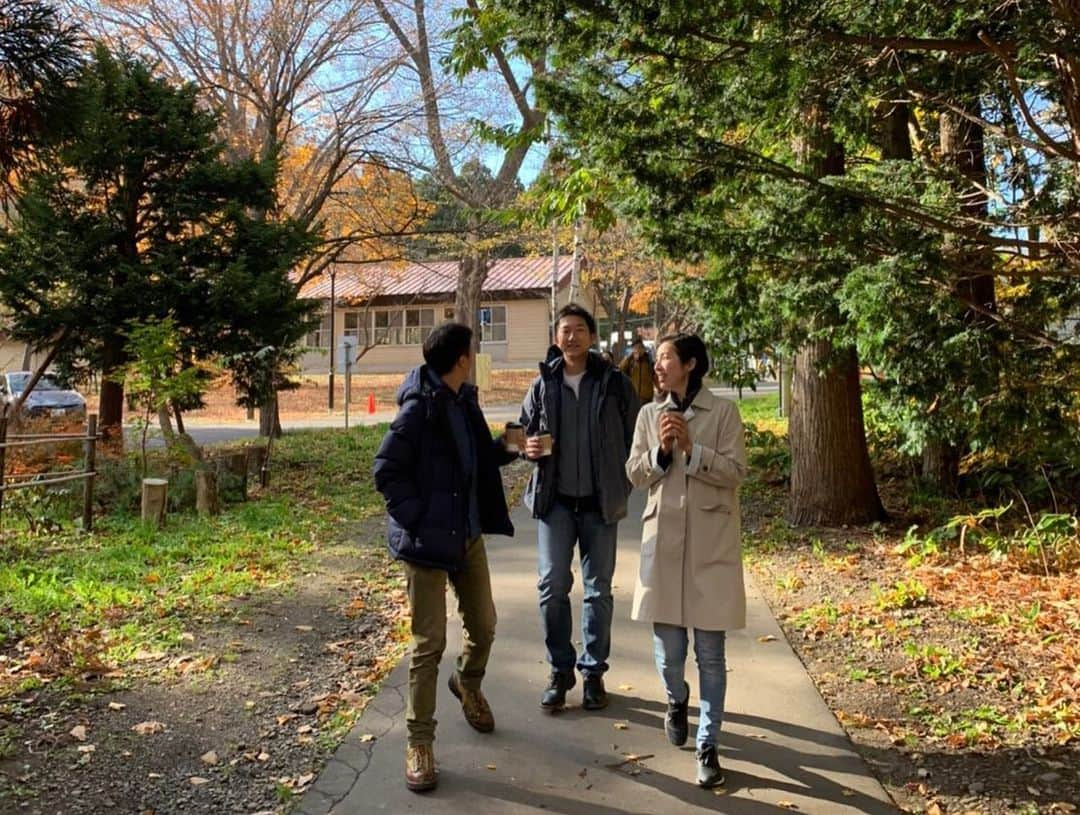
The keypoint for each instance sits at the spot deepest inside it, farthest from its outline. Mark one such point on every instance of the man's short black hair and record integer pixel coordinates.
(574, 310)
(637, 341)
(445, 345)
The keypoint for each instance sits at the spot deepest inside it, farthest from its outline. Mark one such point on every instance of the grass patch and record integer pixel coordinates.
(761, 411)
(71, 600)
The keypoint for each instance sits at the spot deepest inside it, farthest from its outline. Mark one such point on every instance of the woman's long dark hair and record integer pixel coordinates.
(688, 347)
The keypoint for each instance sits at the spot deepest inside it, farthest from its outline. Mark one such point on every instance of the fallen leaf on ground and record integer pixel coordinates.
(304, 628)
(86, 748)
(491, 766)
(626, 687)
(148, 728)
(367, 737)
(766, 638)
(621, 726)
(305, 779)
(154, 775)
(209, 758)
(263, 756)
(117, 706)
(198, 780)
(78, 732)
(787, 804)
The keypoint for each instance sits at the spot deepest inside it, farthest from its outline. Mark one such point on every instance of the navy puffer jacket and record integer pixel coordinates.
(418, 470)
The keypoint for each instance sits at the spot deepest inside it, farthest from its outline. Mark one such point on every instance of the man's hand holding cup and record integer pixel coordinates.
(536, 447)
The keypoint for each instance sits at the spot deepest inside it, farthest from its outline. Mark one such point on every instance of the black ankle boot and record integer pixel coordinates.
(554, 697)
(593, 694)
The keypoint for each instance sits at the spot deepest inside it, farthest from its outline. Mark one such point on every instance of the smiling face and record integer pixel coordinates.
(672, 373)
(573, 338)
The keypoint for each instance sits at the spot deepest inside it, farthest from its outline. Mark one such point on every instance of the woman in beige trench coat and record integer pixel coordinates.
(688, 451)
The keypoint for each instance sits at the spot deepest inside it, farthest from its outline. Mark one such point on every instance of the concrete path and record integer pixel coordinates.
(782, 750)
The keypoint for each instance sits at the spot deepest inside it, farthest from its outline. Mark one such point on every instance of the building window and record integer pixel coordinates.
(418, 325)
(356, 326)
(493, 324)
(387, 328)
(320, 337)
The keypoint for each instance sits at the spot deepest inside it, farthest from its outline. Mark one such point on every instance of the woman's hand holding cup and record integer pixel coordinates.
(674, 432)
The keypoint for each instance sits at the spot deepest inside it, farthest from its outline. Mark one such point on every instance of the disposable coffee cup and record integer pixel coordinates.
(545, 440)
(515, 437)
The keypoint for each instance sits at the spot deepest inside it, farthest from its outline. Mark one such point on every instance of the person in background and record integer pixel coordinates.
(579, 419)
(638, 367)
(438, 469)
(689, 453)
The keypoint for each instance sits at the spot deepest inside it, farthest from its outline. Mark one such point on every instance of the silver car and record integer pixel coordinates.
(48, 398)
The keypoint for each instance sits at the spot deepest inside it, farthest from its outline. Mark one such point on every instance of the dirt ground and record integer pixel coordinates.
(956, 677)
(311, 399)
(237, 722)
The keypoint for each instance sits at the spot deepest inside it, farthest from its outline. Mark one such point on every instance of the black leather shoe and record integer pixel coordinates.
(675, 724)
(593, 695)
(709, 773)
(554, 697)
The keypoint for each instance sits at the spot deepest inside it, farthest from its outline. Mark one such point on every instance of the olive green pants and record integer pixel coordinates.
(427, 602)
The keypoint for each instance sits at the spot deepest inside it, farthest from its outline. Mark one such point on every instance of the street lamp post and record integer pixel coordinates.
(333, 280)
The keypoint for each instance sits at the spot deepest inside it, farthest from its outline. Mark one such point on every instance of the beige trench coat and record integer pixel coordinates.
(691, 570)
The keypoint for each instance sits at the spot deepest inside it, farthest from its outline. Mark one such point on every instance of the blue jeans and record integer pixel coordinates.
(670, 644)
(558, 532)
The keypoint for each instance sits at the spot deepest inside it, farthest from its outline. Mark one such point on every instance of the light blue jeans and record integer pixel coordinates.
(670, 643)
(559, 531)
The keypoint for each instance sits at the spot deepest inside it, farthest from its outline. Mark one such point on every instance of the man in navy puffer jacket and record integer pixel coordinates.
(438, 469)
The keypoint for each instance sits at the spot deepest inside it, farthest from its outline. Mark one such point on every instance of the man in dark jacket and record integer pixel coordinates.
(638, 367)
(438, 469)
(578, 494)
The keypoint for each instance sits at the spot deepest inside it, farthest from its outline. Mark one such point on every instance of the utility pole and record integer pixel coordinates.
(333, 339)
(575, 270)
(554, 283)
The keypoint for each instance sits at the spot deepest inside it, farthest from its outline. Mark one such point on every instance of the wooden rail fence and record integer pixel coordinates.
(23, 481)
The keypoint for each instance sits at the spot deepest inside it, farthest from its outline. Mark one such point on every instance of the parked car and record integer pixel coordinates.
(48, 398)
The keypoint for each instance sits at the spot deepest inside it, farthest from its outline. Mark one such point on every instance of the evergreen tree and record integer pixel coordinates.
(136, 216)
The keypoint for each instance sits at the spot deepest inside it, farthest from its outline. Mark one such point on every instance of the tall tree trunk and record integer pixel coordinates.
(472, 272)
(28, 357)
(165, 423)
(962, 148)
(270, 419)
(832, 481)
(111, 400)
(894, 136)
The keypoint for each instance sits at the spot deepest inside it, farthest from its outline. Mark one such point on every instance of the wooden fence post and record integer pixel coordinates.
(154, 500)
(90, 456)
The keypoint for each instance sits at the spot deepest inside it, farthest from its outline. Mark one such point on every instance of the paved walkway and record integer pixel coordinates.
(782, 750)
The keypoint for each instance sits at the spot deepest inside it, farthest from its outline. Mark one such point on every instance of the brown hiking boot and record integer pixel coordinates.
(473, 704)
(420, 772)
